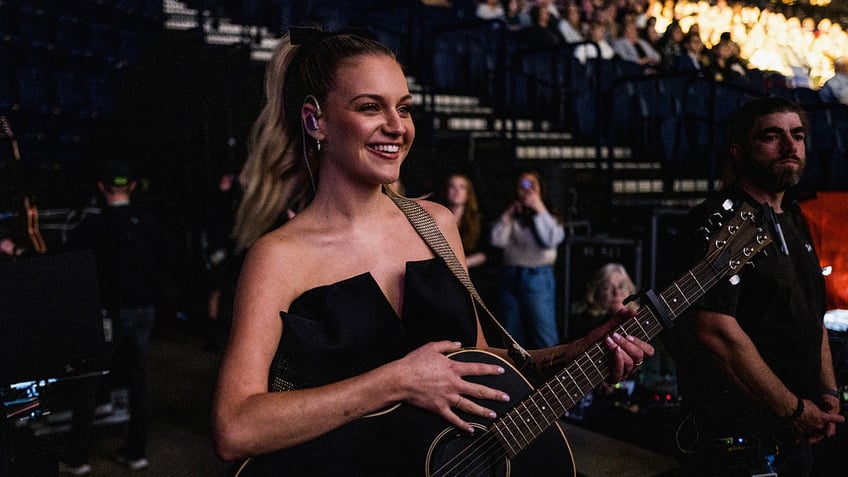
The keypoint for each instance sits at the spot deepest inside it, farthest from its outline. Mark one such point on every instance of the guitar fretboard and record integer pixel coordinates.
(531, 417)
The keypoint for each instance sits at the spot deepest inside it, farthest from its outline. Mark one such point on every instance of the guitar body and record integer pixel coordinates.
(408, 441)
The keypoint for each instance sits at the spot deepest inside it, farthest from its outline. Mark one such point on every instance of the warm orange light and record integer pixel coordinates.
(769, 41)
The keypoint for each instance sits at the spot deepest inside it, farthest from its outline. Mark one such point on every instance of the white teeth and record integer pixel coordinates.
(390, 148)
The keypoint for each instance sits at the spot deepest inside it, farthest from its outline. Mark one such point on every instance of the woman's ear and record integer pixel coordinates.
(310, 113)
(309, 117)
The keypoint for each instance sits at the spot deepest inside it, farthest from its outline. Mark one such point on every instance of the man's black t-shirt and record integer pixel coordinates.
(780, 304)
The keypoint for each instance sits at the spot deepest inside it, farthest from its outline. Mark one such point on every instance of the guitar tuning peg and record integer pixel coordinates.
(716, 220)
(727, 205)
(735, 280)
(705, 232)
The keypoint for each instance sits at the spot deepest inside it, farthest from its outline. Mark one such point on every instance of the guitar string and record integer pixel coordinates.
(491, 447)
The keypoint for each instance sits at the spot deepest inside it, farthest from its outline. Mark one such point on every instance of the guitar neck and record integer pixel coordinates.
(527, 420)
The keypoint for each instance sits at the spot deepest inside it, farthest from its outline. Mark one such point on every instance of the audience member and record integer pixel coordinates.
(605, 13)
(313, 347)
(601, 47)
(571, 25)
(543, 30)
(671, 45)
(757, 366)
(529, 235)
(606, 291)
(723, 66)
(650, 34)
(629, 47)
(835, 90)
(552, 8)
(490, 10)
(517, 14)
(459, 197)
(726, 37)
(692, 58)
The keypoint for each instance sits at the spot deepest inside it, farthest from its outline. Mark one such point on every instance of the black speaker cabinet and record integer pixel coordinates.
(49, 317)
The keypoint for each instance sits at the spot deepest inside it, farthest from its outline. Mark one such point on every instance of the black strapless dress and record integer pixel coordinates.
(337, 331)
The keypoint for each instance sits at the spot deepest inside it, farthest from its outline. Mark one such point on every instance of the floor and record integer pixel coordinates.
(184, 373)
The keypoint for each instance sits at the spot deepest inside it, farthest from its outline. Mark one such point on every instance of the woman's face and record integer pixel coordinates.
(598, 32)
(457, 191)
(366, 125)
(610, 295)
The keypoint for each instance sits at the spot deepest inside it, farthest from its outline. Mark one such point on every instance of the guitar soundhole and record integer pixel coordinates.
(456, 453)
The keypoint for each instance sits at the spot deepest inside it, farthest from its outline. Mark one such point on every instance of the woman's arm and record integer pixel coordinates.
(250, 420)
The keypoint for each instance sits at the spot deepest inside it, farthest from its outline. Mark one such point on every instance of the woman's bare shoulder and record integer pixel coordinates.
(439, 212)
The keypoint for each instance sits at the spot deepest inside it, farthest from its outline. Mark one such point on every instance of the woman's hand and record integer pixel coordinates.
(532, 200)
(435, 382)
(628, 354)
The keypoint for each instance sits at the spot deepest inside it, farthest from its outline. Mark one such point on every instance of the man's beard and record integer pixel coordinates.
(771, 177)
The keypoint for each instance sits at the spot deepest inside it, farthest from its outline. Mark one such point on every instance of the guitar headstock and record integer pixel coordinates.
(737, 239)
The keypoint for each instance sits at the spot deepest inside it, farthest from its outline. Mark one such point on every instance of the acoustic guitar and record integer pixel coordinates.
(528, 438)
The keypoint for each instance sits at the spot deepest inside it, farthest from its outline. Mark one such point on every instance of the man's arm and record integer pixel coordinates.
(738, 357)
(828, 402)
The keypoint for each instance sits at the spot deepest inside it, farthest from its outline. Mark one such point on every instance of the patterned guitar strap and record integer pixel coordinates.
(429, 231)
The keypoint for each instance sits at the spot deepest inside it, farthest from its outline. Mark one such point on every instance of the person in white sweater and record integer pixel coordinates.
(529, 235)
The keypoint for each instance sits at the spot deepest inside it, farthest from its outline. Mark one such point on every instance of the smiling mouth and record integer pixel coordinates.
(385, 148)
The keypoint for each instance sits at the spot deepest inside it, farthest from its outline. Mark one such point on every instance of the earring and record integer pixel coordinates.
(318, 145)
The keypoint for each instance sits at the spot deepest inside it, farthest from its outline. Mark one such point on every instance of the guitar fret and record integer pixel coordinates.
(527, 432)
(561, 405)
(575, 396)
(546, 408)
(644, 333)
(565, 389)
(555, 409)
(683, 295)
(526, 421)
(668, 305)
(597, 370)
(538, 427)
(697, 282)
(508, 441)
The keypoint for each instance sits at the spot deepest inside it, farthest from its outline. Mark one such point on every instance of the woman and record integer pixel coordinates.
(459, 197)
(605, 295)
(344, 307)
(529, 235)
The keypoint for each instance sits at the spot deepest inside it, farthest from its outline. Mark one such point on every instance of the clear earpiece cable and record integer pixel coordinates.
(306, 159)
